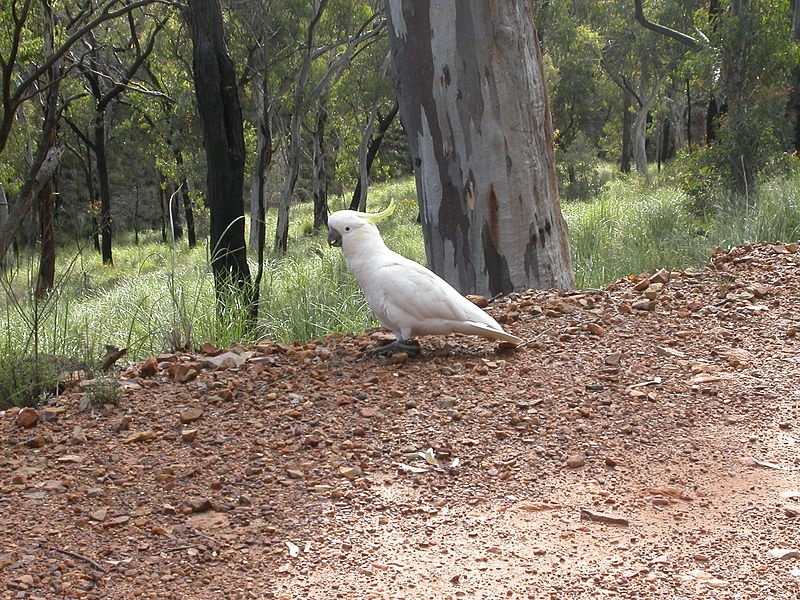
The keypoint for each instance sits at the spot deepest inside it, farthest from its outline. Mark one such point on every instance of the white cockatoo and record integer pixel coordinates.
(405, 296)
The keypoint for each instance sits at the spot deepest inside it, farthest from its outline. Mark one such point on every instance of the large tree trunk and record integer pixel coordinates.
(794, 94)
(223, 136)
(648, 92)
(473, 101)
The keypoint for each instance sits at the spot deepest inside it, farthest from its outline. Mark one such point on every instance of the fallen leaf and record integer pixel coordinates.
(411, 469)
(654, 381)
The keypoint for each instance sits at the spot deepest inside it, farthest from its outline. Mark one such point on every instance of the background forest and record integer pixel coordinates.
(676, 130)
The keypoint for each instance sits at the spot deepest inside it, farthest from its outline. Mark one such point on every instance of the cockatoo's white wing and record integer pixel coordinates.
(412, 300)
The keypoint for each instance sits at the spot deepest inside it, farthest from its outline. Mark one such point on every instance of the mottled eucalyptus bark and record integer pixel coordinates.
(473, 102)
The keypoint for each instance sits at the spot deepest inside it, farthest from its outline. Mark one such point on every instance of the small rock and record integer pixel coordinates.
(141, 436)
(221, 362)
(295, 473)
(479, 301)
(368, 412)
(51, 413)
(98, 515)
(349, 472)
(149, 368)
(199, 504)
(590, 515)
(668, 352)
(120, 520)
(189, 435)
(313, 441)
(645, 305)
(69, 459)
(595, 329)
(662, 276)
(575, 461)
(36, 441)
(190, 415)
(94, 492)
(27, 417)
(182, 373)
(399, 358)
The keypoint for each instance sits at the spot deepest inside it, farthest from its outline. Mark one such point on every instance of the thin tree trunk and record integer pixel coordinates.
(263, 162)
(688, 117)
(489, 202)
(320, 175)
(136, 215)
(627, 126)
(105, 190)
(162, 191)
(188, 210)
(359, 201)
(45, 279)
(175, 204)
(3, 220)
(293, 151)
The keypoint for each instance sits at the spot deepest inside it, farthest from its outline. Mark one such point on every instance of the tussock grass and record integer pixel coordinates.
(160, 297)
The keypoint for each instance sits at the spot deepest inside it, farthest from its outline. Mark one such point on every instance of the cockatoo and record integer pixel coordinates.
(406, 298)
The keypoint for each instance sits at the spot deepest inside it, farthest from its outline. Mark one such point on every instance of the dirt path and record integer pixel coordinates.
(614, 457)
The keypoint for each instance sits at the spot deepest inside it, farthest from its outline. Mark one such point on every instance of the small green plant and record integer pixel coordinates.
(101, 391)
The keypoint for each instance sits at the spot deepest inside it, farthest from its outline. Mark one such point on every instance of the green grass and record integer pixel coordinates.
(158, 297)
(634, 227)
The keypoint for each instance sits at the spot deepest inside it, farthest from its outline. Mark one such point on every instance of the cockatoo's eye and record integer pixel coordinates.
(347, 229)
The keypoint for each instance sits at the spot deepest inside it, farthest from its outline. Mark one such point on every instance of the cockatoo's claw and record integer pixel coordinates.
(397, 346)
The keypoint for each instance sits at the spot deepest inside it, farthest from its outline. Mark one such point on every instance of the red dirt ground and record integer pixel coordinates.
(615, 456)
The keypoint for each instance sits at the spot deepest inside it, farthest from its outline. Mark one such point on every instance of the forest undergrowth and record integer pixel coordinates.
(160, 298)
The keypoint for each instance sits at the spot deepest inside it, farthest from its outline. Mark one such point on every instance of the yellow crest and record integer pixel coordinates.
(381, 216)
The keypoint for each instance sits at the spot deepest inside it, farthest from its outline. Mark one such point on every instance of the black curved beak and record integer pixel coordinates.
(334, 238)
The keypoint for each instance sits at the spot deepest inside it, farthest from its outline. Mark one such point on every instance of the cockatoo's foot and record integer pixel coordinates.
(397, 346)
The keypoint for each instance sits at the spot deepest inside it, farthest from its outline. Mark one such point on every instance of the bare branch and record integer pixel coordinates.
(683, 38)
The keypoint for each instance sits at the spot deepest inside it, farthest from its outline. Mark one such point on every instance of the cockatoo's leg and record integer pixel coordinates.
(397, 346)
